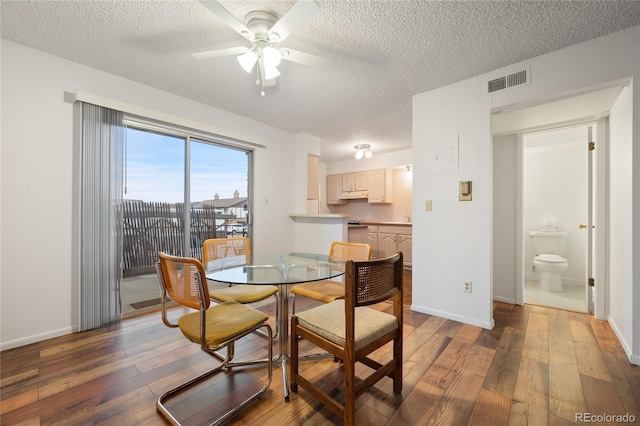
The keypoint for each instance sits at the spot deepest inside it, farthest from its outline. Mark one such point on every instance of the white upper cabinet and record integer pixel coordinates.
(334, 189)
(357, 181)
(380, 186)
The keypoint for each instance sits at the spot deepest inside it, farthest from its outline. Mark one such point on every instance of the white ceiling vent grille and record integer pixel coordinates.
(516, 79)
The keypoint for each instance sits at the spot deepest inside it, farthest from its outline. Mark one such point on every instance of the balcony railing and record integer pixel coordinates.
(150, 227)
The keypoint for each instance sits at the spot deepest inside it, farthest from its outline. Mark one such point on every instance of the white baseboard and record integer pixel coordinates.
(35, 338)
(509, 300)
(454, 317)
(633, 358)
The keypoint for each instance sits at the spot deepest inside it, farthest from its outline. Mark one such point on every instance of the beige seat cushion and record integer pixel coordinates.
(325, 291)
(223, 322)
(329, 322)
(242, 293)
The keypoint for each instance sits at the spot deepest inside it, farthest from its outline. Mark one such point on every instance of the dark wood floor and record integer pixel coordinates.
(538, 366)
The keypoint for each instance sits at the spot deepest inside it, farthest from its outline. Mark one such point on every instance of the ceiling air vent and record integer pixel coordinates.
(508, 81)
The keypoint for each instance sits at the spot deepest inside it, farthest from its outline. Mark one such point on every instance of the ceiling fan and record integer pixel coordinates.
(264, 30)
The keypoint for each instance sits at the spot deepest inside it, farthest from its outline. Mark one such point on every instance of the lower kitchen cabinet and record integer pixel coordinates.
(395, 238)
(404, 245)
(385, 240)
(367, 235)
(387, 243)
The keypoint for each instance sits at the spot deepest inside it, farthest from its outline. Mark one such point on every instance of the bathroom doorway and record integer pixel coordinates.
(556, 191)
(607, 109)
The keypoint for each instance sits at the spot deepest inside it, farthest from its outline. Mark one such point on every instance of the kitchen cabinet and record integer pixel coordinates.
(356, 181)
(334, 189)
(380, 186)
(387, 243)
(385, 240)
(405, 242)
(313, 165)
(365, 234)
(357, 234)
(371, 238)
(395, 238)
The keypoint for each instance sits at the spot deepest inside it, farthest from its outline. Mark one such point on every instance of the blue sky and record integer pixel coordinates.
(155, 169)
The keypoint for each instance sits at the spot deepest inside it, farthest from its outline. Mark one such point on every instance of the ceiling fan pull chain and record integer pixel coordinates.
(261, 76)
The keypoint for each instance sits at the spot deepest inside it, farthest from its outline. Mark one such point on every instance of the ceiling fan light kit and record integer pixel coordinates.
(248, 60)
(264, 30)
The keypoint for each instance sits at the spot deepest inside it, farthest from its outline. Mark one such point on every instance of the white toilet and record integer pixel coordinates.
(549, 247)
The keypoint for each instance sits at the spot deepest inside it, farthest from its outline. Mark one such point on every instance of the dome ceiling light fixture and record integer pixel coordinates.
(264, 30)
(363, 150)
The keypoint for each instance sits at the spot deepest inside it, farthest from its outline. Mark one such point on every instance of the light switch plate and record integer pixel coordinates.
(464, 190)
(428, 205)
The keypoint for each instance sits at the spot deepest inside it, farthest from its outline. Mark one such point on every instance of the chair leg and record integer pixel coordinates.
(397, 371)
(277, 327)
(237, 408)
(349, 392)
(294, 355)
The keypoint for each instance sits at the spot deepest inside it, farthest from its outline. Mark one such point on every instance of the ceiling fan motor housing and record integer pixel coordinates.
(259, 23)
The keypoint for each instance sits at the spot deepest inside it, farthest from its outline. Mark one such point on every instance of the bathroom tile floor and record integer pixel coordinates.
(572, 297)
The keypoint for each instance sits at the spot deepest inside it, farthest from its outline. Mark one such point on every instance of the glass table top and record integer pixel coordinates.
(280, 268)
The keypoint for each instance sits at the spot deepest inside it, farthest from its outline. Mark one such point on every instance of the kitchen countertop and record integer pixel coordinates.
(365, 223)
(319, 215)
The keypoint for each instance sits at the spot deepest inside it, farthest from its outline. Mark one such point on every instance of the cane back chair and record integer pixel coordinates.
(329, 290)
(212, 327)
(223, 253)
(351, 330)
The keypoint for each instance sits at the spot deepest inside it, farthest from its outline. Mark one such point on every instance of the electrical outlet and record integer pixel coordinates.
(467, 287)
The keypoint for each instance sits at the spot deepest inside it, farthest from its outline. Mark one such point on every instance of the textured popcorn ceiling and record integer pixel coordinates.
(385, 52)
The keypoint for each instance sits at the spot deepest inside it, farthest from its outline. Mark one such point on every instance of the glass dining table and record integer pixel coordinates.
(282, 270)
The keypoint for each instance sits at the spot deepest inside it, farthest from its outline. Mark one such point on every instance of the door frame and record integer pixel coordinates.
(599, 260)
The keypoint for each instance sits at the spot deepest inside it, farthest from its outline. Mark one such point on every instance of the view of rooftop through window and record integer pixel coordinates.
(155, 169)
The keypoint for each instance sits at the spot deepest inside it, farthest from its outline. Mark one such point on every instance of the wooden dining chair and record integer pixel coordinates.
(351, 331)
(223, 253)
(327, 291)
(212, 327)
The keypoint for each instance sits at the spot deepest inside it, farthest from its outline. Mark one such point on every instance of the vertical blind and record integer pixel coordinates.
(103, 137)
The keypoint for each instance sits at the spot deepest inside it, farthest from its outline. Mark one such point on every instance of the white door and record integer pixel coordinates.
(598, 209)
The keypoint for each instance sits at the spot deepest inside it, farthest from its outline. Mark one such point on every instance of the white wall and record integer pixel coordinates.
(305, 145)
(315, 234)
(622, 314)
(504, 218)
(453, 243)
(37, 178)
(377, 161)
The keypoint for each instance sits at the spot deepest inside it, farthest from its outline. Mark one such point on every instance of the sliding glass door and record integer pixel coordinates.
(179, 190)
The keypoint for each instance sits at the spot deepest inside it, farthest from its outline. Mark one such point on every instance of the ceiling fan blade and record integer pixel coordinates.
(301, 12)
(271, 82)
(305, 58)
(211, 54)
(228, 18)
